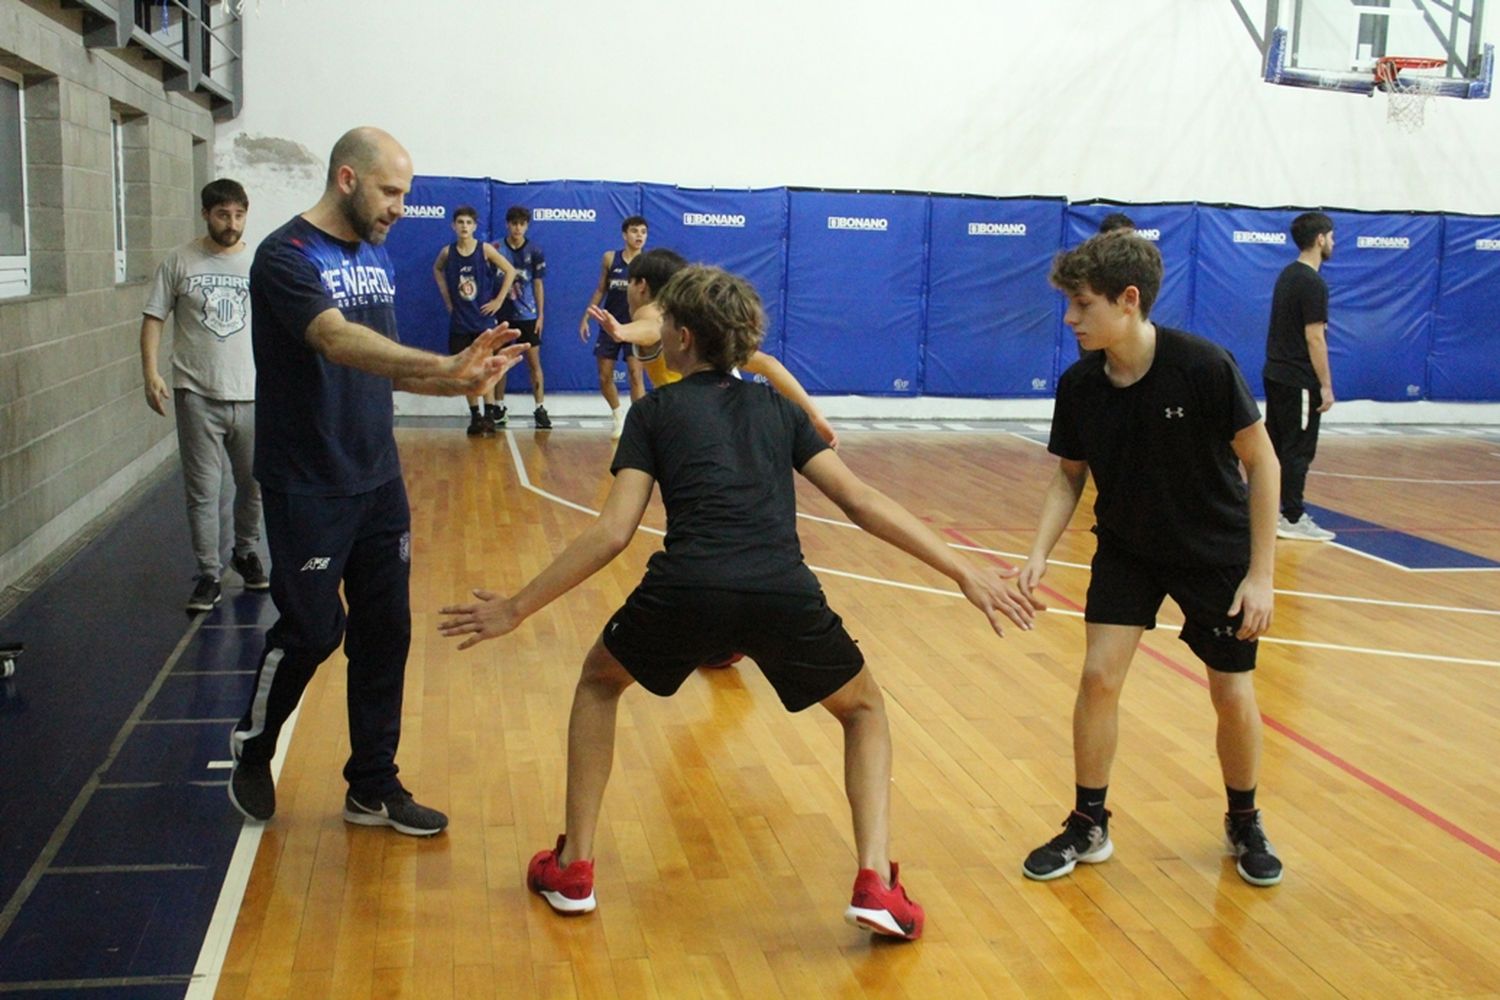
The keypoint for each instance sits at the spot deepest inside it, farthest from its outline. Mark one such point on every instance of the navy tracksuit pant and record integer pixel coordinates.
(316, 543)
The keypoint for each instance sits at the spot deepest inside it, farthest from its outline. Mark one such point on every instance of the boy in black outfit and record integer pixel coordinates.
(731, 576)
(1162, 419)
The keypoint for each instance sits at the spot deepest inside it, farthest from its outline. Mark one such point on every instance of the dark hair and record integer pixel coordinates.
(1307, 227)
(721, 309)
(224, 192)
(634, 220)
(518, 213)
(463, 210)
(1108, 264)
(1115, 220)
(656, 267)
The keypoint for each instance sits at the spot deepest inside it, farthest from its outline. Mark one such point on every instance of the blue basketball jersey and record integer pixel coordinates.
(615, 302)
(531, 267)
(471, 283)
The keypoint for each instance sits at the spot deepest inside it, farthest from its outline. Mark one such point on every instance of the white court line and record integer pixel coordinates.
(210, 964)
(525, 479)
(1406, 479)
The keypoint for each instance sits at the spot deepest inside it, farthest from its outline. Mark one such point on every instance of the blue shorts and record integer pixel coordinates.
(606, 346)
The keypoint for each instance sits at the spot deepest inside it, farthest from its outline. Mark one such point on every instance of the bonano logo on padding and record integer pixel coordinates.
(564, 215)
(425, 212)
(858, 222)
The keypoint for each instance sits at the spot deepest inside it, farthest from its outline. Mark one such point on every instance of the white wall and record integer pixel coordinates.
(1136, 100)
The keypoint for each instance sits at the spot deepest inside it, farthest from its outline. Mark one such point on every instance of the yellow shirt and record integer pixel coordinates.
(656, 365)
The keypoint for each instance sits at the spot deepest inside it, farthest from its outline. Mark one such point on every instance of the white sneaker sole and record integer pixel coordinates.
(1093, 858)
(878, 921)
(370, 819)
(567, 904)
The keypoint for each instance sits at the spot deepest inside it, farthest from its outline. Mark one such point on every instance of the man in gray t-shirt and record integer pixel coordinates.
(205, 285)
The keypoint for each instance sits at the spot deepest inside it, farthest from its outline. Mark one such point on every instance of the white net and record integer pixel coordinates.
(1407, 93)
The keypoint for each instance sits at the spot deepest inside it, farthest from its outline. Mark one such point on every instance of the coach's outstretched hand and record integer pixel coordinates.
(492, 616)
(986, 589)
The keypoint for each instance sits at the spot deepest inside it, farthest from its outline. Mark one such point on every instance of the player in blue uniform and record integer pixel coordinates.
(525, 307)
(614, 280)
(465, 271)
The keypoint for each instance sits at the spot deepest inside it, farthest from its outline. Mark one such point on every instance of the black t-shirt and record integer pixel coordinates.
(1301, 297)
(1167, 476)
(321, 429)
(723, 451)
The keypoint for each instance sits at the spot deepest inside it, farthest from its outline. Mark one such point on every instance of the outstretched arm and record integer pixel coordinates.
(784, 382)
(887, 520)
(643, 331)
(1057, 510)
(470, 371)
(1256, 595)
(591, 551)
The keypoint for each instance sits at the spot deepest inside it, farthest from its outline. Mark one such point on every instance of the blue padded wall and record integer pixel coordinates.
(740, 231)
(854, 298)
(1241, 252)
(1382, 287)
(413, 245)
(1464, 363)
(904, 294)
(574, 223)
(992, 317)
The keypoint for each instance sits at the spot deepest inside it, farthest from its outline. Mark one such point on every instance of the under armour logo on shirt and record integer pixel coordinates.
(1175, 411)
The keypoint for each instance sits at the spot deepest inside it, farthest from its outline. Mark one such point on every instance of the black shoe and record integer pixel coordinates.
(399, 810)
(1081, 840)
(476, 425)
(251, 571)
(1258, 863)
(543, 422)
(252, 790)
(205, 594)
(498, 417)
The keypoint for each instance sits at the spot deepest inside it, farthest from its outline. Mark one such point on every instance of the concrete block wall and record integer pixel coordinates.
(75, 432)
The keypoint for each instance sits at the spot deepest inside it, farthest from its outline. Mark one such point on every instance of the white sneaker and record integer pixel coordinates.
(618, 413)
(1303, 529)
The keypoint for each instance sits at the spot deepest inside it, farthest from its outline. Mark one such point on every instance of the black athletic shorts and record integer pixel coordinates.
(460, 341)
(528, 336)
(1128, 590)
(662, 634)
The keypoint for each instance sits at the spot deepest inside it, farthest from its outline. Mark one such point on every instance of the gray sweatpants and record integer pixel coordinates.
(208, 430)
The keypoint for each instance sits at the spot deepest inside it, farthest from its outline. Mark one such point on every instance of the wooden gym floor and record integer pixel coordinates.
(725, 855)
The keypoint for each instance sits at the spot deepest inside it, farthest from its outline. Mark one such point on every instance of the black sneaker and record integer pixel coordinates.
(476, 425)
(399, 810)
(498, 417)
(1257, 861)
(252, 790)
(251, 571)
(205, 594)
(1081, 840)
(543, 422)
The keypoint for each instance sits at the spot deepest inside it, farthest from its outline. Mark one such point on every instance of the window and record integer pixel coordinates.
(15, 256)
(117, 175)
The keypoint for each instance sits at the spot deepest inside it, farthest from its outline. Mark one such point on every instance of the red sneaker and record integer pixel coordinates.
(567, 890)
(727, 661)
(884, 911)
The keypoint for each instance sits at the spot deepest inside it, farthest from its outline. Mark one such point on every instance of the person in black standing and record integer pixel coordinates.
(1298, 379)
(327, 357)
(1162, 419)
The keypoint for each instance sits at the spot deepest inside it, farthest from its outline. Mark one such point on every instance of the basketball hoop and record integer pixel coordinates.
(1407, 94)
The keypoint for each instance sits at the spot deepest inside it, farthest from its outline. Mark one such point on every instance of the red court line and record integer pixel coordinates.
(1307, 743)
